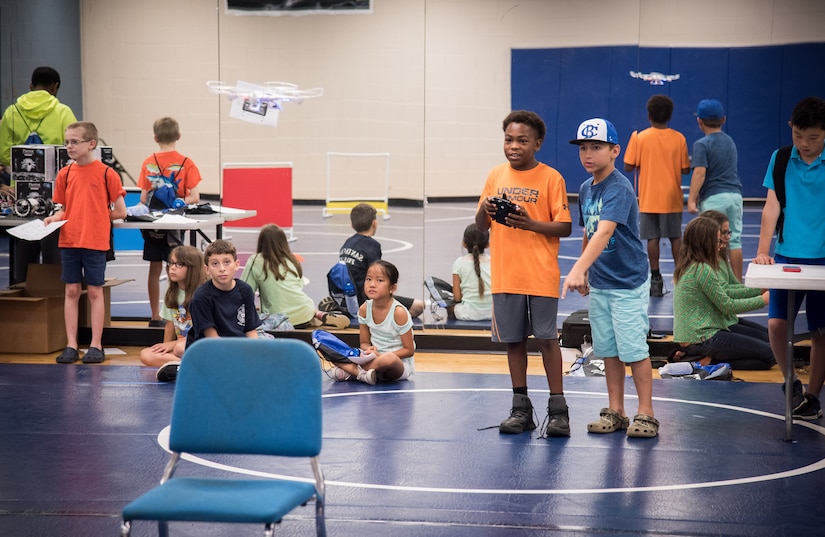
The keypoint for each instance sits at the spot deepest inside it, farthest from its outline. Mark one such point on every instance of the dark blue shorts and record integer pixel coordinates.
(82, 264)
(814, 300)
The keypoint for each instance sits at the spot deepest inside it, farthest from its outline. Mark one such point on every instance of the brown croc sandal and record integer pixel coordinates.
(644, 426)
(609, 421)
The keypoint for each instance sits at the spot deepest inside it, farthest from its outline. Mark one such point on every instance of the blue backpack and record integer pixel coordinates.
(341, 286)
(164, 196)
(33, 138)
(332, 348)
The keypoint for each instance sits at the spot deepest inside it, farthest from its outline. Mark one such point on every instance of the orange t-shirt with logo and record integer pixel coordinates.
(524, 262)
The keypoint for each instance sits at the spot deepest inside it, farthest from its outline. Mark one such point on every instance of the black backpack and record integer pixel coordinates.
(780, 165)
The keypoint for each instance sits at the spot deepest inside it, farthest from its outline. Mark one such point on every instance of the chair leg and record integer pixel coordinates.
(163, 528)
(320, 519)
(269, 530)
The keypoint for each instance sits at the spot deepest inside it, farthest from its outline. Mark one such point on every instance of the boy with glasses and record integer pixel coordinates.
(90, 195)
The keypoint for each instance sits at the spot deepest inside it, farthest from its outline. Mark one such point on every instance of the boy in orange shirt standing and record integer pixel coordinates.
(91, 196)
(661, 156)
(524, 249)
(164, 168)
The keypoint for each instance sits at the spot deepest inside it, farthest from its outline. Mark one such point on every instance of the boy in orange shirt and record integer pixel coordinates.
(164, 167)
(91, 196)
(661, 156)
(524, 249)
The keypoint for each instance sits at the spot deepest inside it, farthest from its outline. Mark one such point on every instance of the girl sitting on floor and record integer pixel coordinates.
(185, 270)
(276, 273)
(704, 307)
(471, 279)
(386, 331)
(731, 283)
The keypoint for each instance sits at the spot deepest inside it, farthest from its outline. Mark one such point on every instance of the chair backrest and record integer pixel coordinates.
(255, 396)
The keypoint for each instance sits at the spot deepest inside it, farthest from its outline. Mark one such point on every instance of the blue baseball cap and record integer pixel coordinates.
(596, 130)
(710, 109)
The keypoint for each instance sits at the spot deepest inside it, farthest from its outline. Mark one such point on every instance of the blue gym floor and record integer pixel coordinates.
(415, 458)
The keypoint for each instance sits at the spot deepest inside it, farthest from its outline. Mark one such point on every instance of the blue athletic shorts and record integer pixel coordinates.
(81, 264)
(814, 300)
(619, 322)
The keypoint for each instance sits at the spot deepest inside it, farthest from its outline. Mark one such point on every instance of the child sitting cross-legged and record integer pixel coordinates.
(186, 272)
(386, 331)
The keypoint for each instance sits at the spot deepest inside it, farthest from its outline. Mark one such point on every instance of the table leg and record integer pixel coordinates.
(789, 369)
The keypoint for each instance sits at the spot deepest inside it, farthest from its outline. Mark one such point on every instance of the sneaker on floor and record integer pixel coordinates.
(657, 287)
(558, 419)
(328, 304)
(68, 356)
(368, 376)
(94, 356)
(339, 375)
(798, 396)
(809, 410)
(521, 416)
(168, 372)
(335, 320)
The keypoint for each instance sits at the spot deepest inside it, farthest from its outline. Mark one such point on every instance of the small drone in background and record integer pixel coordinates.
(655, 78)
(269, 93)
(260, 103)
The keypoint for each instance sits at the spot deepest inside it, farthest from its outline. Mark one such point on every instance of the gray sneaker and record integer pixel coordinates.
(558, 419)
(521, 416)
(809, 410)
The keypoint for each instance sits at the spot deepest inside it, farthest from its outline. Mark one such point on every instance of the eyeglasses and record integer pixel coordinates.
(726, 233)
(68, 143)
(177, 264)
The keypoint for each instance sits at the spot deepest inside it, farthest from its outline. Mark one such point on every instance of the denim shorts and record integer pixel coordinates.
(619, 322)
(814, 300)
(82, 264)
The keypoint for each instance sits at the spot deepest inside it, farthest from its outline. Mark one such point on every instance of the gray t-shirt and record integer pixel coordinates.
(717, 153)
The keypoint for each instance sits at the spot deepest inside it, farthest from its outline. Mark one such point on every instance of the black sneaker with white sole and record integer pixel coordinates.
(809, 410)
(168, 372)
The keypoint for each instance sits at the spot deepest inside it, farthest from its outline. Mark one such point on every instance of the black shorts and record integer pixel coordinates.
(158, 244)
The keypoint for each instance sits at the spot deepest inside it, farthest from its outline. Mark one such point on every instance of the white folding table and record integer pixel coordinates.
(809, 278)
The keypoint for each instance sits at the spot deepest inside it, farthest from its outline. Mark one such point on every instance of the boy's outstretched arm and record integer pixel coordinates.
(770, 216)
(696, 182)
(119, 209)
(576, 279)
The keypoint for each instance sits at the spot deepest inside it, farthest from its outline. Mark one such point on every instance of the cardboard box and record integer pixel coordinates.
(31, 313)
(85, 313)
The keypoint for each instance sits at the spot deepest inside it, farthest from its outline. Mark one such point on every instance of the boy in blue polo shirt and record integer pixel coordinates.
(613, 270)
(802, 241)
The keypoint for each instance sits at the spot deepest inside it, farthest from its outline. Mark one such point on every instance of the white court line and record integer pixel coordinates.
(163, 441)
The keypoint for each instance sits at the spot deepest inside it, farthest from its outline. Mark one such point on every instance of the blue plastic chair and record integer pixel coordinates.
(240, 396)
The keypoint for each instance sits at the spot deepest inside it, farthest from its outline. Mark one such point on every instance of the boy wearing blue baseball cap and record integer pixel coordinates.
(613, 270)
(715, 183)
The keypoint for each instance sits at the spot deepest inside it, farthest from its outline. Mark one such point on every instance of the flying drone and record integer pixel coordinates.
(260, 103)
(655, 78)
